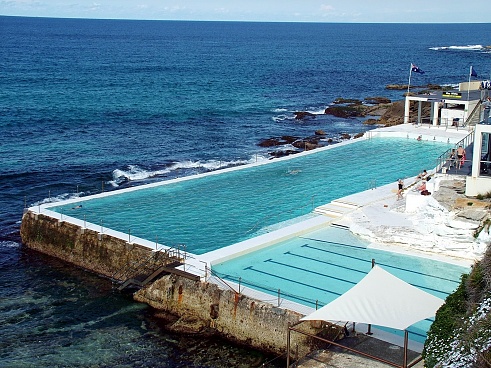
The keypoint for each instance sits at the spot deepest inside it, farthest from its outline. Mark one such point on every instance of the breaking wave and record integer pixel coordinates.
(289, 115)
(463, 48)
(182, 168)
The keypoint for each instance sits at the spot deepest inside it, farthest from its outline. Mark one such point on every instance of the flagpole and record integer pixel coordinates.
(409, 82)
(469, 85)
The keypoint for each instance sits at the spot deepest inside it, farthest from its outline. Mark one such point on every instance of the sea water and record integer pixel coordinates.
(91, 105)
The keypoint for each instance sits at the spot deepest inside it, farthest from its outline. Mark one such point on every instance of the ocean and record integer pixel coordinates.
(92, 105)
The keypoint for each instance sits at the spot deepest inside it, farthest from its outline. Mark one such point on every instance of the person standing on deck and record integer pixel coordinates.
(400, 186)
(460, 156)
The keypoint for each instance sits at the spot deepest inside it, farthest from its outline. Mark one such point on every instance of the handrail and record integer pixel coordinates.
(215, 274)
(128, 271)
(445, 156)
(269, 289)
(471, 115)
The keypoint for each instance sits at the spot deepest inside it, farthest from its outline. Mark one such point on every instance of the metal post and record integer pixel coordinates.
(278, 297)
(288, 346)
(369, 332)
(316, 304)
(404, 363)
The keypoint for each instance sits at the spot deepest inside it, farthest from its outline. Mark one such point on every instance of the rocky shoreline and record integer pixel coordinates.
(378, 110)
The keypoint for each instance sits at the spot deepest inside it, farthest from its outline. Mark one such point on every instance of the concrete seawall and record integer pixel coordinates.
(99, 253)
(198, 305)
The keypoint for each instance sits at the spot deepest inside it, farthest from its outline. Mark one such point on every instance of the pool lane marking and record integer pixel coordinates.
(309, 271)
(334, 243)
(344, 280)
(325, 262)
(251, 268)
(380, 264)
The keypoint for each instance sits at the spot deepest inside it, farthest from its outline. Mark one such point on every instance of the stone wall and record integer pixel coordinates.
(198, 305)
(203, 305)
(102, 254)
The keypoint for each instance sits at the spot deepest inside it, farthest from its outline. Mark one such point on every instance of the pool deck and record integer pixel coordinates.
(377, 203)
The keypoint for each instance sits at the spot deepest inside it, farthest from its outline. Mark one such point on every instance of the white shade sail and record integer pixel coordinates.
(380, 299)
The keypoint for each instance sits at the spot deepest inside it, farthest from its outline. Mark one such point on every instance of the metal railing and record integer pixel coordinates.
(240, 281)
(445, 157)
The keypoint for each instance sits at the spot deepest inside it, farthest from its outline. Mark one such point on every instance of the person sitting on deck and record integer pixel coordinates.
(452, 157)
(422, 175)
(422, 186)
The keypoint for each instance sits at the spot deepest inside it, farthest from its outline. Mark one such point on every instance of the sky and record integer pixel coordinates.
(346, 11)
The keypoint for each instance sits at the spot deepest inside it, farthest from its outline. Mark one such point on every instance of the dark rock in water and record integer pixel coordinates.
(320, 132)
(288, 139)
(358, 135)
(345, 136)
(271, 142)
(306, 144)
(371, 122)
(345, 111)
(396, 86)
(277, 154)
(350, 101)
(377, 100)
(301, 115)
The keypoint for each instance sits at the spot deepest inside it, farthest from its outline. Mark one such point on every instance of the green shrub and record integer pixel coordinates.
(448, 319)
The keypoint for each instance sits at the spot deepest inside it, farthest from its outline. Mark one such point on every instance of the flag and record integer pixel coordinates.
(473, 72)
(416, 69)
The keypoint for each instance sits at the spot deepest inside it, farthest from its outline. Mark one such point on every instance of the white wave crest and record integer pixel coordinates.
(58, 198)
(135, 172)
(464, 48)
(9, 244)
(318, 112)
(282, 118)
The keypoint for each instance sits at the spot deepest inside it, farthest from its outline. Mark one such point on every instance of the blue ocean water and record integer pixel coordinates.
(90, 105)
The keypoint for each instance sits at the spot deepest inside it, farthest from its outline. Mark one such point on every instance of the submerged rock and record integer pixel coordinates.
(301, 115)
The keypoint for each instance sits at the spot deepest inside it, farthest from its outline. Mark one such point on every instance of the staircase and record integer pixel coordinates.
(336, 209)
(475, 116)
(138, 274)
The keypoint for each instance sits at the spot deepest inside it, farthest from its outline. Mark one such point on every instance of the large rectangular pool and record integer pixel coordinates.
(316, 268)
(213, 211)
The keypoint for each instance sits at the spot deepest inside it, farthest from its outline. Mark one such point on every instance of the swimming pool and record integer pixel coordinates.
(213, 211)
(316, 268)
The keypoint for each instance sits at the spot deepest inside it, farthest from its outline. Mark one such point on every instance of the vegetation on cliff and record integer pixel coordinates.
(461, 333)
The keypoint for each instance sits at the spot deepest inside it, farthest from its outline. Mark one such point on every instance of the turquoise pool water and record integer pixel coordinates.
(214, 211)
(322, 265)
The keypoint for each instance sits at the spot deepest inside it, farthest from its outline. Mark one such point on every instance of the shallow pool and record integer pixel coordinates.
(210, 212)
(317, 268)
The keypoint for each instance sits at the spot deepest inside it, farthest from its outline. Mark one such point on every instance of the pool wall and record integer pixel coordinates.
(101, 253)
(204, 305)
(199, 305)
